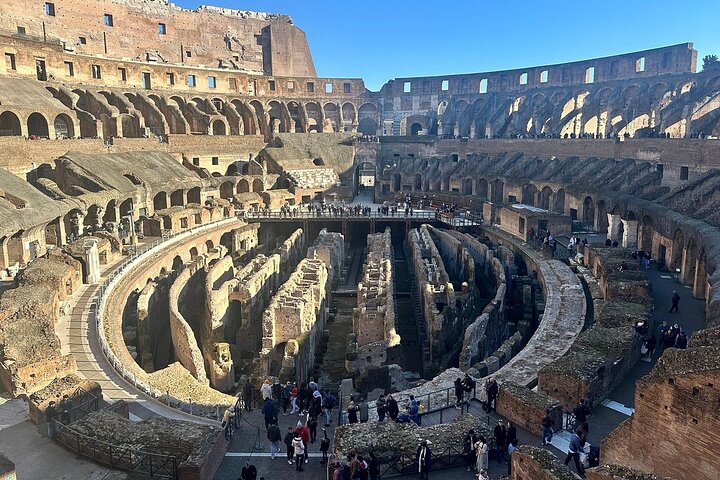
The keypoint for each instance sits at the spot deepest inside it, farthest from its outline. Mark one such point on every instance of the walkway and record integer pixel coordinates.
(80, 337)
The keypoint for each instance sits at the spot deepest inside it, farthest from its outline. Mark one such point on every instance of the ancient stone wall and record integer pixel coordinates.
(538, 464)
(674, 428)
(375, 314)
(185, 344)
(526, 408)
(79, 390)
(154, 339)
(330, 248)
(616, 472)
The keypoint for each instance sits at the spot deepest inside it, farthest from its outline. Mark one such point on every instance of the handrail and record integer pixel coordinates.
(100, 301)
(400, 215)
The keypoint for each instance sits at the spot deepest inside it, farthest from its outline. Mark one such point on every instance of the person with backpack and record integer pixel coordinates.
(324, 446)
(299, 449)
(328, 404)
(547, 428)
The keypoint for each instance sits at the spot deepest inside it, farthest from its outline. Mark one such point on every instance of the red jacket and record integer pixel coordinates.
(304, 434)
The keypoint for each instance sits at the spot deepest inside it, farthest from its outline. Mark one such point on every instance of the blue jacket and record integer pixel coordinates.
(269, 409)
(575, 444)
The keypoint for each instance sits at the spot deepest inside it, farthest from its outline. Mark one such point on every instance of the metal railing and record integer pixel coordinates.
(399, 215)
(406, 462)
(436, 401)
(153, 464)
(96, 314)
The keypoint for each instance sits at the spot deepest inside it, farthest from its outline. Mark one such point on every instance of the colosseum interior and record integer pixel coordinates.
(187, 211)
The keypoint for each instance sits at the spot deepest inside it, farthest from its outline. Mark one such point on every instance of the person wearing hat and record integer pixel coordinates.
(304, 433)
(423, 457)
(249, 472)
(352, 413)
(300, 451)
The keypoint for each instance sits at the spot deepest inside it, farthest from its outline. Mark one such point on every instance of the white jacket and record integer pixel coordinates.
(299, 446)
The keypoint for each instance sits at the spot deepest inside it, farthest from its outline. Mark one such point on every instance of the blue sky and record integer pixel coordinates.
(382, 39)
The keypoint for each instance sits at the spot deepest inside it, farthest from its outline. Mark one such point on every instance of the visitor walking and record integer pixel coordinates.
(374, 468)
(675, 299)
(380, 407)
(459, 393)
(247, 394)
(423, 457)
(299, 450)
(352, 412)
(269, 411)
(249, 472)
(289, 436)
(393, 410)
(482, 459)
(492, 393)
(547, 428)
(329, 403)
(471, 438)
(574, 453)
(324, 446)
(274, 436)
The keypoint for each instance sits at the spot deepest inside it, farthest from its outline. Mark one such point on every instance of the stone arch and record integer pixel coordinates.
(193, 253)
(700, 281)
(497, 192)
(314, 117)
(37, 125)
(415, 129)
(689, 262)
(645, 233)
(219, 127)
(249, 120)
(258, 186)
(544, 198)
(558, 204)
(297, 117)
(9, 124)
(332, 117)
(601, 224)
(677, 249)
(467, 186)
(209, 245)
(259, 113)
(349, 116)
(193, 195)
(588, 217)
(277, 117)
(160, 201)
(227, 241)
(529, 194)
(397, 178)
(481, 188)
(177, 198)
(178, 263)
(64, 126)
(368, 119)
(243, 186)
(226, 189)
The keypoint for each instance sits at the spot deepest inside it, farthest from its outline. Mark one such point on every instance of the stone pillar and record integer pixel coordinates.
(613, 226)
(4, 261)
(92, 261)
(630, 233)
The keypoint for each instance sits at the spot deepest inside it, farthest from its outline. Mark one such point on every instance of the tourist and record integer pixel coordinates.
(353, 464)
(482, 396)
(681, 340)
(338, 471)
(299, 450)
(352, 412)
(547, 428)
(363, 469)
(324, 446)
(289, 436)
(315, 409)
(274, 436)
(675, 299)
(500, 434)
(459, 393)
(393, 410)
(277, 391)
(650, 347)
(512, 446)
(312, 385)
(414, 410)
(469, 384)
(312, 424)
(50, 413)
(492, 393)
(405, 417)
(574, 453)
(482, 454)
(581, 412)
(293, 399)
(329, 403)
(380, 407)
(302, 397)
(286, 396)
(266, 390)
(269, 411)
(469, 442)
(249, 472)
(374, 467)
(247, 393)
(483, 475)
(65, 406)
(423, 456)
(511, 434)
(225, 424)
(304, 433)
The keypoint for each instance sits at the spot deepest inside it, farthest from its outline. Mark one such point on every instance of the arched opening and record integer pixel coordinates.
(689, 263)
(160, 201)
(365, 175)
(396, 182)
(243, 186)
(37, 126)
(418, 182)
(700, 282)
(226, 241)
(193, 195)
(529, 192)
(176, 198)
(314, 117)
(177, 263)
(64, 127)
(467, 186)
(367, 126)
(545, 195)
(588, 216)
(602, 219)
(9, 125)
(559, 201)
(645, 231)
(318, 162)
(110, 212)
(415, 129)
(209, 245)
(218, 128)
(677, 249)
(226, 190)
(497, 194)
(193, 252)
(258, 186)
(481, 188)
